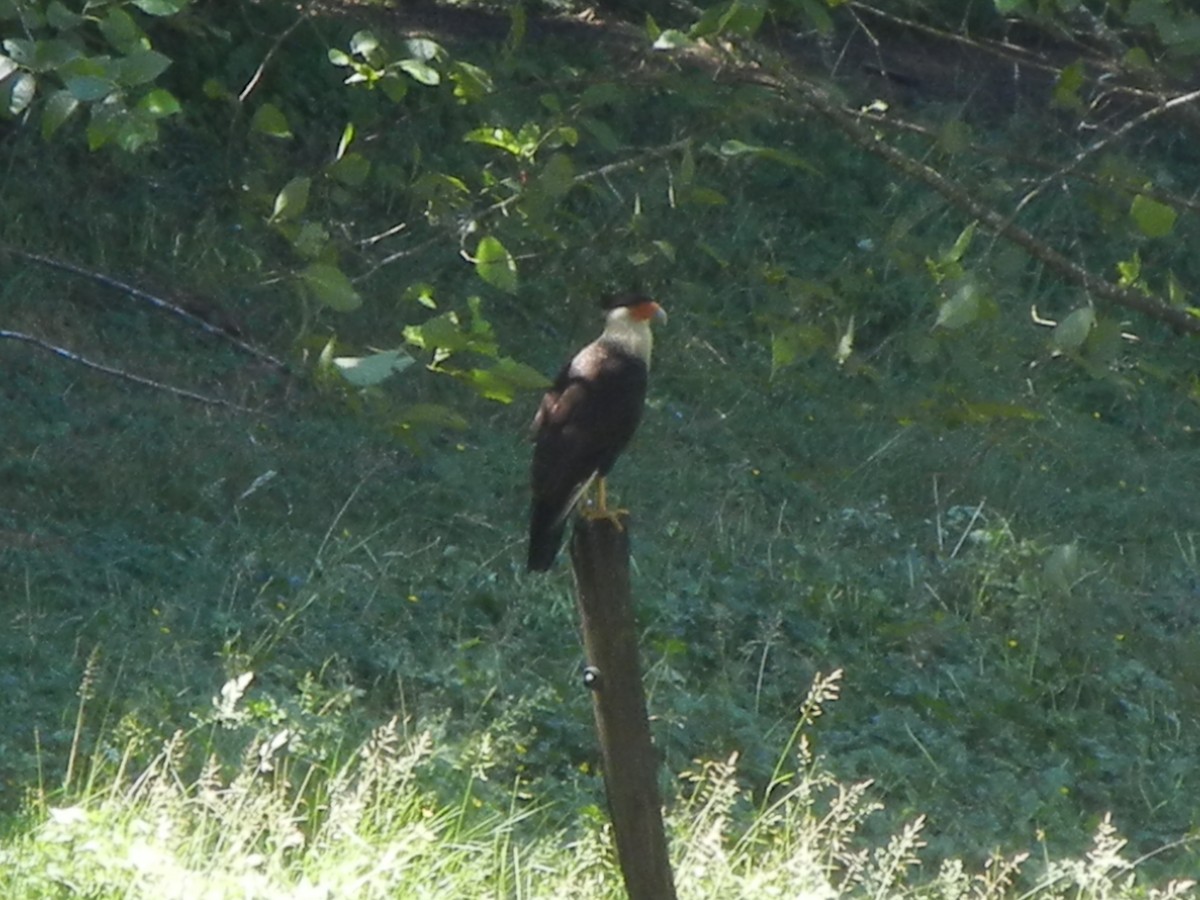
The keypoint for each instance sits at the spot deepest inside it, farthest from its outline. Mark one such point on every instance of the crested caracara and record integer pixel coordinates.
(586, 419)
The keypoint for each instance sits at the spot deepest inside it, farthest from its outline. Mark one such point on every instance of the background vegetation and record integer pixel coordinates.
(280, 287)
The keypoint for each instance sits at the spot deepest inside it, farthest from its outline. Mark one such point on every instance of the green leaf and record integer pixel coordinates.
(311, 240)
(495, 265)
(1129, 271)
(60, 18)
(424, 49)
(794, 342)
(502, 381)
(292, 200)
(563, 134)
(121, 32)
(89, 88)
(1063, 568)
(58, 107)
(23, 52)
(495, 137)
(517, 19)
(135, 130)
(441, 334)
(393, 86)
(606, 93)
(345, 141)
(421, 71)
(103, 124)
(962, 308)
(160, 103)
(602, 132)
(422, 293)
(18, 90)
(961, 244)
(270, 120)
(1153, 219)
(1176, 292)
(331, 287)
(54, 53)
(1066, 88)
(734, 148)
(741, 17)
(1137, 59)
(364, 44)
(820, 18)
(706, 196)
(1070, 334)
(672, 39)
(161, 7)
(557, 177)
(365, 371)
(351, 170)
(471, 83)
(142, 67)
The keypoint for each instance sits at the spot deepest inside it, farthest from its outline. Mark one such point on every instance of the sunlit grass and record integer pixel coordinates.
(372, 827)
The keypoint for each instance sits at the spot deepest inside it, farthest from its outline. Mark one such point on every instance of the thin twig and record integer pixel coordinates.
(584, 177)
(120, 373)
(396, 257)
(932, 134)
(158, 302)
(502, 206)
(1103, 142)
(266, 61)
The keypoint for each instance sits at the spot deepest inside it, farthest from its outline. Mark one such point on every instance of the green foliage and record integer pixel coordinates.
(878, 440)
(102, 62)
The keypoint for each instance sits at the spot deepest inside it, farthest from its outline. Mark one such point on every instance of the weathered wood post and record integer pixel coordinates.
(600, 560)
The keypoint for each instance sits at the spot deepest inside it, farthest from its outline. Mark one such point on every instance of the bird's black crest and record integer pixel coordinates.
(613, 301)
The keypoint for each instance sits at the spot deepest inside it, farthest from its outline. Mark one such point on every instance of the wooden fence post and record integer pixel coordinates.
(600, 560)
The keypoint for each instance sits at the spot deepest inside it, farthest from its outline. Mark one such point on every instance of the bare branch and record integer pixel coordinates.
(120, 373)
(158, 302)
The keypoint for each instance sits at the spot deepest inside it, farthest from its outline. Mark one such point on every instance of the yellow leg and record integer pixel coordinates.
(600, 509)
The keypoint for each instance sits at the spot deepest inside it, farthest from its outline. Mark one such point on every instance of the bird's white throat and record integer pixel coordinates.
(630, 334)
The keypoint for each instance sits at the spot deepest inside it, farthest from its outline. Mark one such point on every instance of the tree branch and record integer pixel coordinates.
(120, 373)
(816, 99)
(158, 302)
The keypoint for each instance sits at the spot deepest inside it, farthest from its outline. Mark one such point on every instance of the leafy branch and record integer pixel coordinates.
(817, 99)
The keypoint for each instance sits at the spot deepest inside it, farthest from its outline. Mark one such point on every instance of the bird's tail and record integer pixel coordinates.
(547, 525)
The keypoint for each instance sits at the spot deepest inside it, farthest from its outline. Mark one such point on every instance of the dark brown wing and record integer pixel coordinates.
(581, 427)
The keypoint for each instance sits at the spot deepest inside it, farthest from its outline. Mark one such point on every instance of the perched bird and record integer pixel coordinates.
(586, 419)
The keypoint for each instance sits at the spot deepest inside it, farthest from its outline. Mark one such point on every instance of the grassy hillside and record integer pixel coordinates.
(993, 542)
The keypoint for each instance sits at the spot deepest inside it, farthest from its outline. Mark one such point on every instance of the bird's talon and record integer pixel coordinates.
(613, 515)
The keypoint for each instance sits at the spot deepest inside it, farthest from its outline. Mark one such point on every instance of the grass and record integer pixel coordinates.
(986, 540)
(369, 825)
